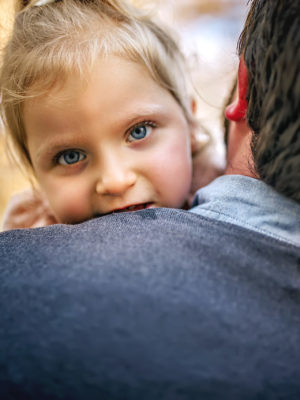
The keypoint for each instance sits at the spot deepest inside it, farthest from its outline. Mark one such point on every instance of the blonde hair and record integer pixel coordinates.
(51, 41)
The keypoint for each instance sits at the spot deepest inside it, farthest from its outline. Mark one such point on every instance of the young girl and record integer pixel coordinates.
(97, 102)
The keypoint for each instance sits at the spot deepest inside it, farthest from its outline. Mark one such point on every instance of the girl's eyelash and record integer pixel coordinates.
(147, 123)
(58, 155)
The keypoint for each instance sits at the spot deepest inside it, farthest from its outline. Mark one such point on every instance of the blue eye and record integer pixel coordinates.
(139, 132)
(70, 157)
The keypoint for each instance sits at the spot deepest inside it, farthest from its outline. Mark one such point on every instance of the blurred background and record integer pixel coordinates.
(208, 31)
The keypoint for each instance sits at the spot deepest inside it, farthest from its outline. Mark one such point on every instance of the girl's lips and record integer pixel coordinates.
(135, 207)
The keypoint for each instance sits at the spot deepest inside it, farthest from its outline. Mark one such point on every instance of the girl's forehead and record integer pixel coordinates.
(110, 72)
(113, 83)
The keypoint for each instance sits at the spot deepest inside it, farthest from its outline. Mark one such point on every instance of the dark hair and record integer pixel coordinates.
(270, 43)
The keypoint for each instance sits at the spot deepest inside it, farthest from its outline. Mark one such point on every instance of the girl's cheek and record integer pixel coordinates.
(69, 203)
(171, 174)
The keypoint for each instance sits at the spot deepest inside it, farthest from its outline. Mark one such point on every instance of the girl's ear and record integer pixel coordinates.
(193, 106)
(237, 110)
(193, 134)
(199, 136)
(194, 143)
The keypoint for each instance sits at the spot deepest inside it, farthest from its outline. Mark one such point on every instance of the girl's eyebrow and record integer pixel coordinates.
(142, 114)
(48, 149)
(52, 145)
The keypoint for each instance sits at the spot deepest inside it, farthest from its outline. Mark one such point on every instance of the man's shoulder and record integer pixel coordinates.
(154, 304)
(153, 229)
(167, 239)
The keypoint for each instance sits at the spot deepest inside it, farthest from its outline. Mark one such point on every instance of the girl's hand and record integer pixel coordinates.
(27, 209)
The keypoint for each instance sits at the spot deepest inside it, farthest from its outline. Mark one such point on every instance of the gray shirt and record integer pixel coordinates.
(252, 204)
(155, 304)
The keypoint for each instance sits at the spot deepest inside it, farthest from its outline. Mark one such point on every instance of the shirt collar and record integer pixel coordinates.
(250, 203)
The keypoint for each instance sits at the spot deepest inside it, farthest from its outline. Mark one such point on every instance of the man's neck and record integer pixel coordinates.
(239, 154)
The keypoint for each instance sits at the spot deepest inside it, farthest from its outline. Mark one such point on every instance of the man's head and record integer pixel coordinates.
(269, 47)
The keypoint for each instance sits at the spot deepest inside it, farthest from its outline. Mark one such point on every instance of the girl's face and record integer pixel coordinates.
(119, 142)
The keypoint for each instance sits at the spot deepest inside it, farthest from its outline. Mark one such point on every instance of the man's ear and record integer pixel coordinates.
(237, 110)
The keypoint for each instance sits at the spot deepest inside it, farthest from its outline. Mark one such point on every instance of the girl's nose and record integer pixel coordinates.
(115, 181)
